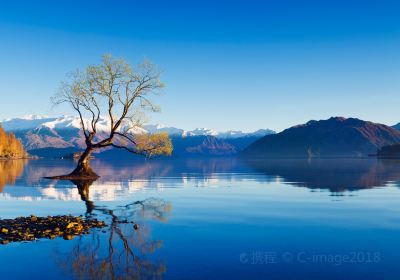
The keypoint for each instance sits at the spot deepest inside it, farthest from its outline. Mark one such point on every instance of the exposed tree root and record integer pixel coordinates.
(78, 174)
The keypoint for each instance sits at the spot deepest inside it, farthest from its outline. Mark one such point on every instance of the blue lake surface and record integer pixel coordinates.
(211, 219)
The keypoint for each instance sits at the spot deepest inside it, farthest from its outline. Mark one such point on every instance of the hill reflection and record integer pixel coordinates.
(24, 180)
(336, 175)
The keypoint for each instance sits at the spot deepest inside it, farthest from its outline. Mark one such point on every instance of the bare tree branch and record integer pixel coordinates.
(121, 92)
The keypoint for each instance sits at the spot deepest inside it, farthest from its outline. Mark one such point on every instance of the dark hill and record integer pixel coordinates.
(391, 151)
(396, 126)
(335, 137)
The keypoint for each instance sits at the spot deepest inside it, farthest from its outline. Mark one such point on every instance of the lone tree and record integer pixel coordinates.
(122, 93)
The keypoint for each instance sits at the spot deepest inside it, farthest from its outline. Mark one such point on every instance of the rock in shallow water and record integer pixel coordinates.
(32, 228)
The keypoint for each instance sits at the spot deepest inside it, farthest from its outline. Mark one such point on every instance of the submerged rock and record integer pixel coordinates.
(32, 228)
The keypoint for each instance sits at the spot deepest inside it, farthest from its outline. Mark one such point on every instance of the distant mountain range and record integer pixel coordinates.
(58, 136)
(34, 122)
(335, 137)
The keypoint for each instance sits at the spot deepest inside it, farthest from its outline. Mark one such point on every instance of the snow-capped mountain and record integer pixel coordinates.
(202, 132)
(25, 123)
(58, 136)
(239, 133)
(162, 128)
(34, 122)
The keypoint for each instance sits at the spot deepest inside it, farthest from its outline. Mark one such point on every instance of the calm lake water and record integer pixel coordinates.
(211, 219)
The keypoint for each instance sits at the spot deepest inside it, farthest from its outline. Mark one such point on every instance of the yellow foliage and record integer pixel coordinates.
(10, 146)
(153, 145)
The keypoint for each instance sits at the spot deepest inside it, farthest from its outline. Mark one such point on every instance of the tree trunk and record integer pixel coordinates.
(83, 169)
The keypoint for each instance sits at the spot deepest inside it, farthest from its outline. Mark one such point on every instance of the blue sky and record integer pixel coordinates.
(227, 64)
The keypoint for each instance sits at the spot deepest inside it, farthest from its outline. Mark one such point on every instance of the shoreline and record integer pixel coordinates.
(19, 158)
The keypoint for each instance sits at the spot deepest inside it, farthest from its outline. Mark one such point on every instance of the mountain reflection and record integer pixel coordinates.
(120, 178)
(336, 175)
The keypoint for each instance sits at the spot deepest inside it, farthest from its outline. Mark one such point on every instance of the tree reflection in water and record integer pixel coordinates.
(10, 170)
(122, 252)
